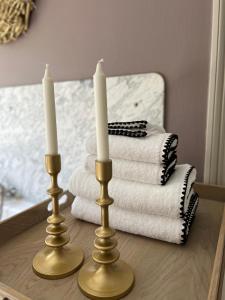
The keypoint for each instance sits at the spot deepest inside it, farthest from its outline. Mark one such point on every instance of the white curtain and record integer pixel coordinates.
(215, 131)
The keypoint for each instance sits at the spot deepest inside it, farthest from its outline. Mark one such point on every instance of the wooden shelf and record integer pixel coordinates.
(162, 270)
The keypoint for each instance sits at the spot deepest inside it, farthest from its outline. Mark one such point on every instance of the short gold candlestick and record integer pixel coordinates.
(56, 260)
(106, 277)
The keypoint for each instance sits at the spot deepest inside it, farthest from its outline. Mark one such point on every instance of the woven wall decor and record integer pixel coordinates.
(14, 19)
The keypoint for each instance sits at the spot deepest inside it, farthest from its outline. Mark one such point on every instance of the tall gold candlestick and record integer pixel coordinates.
(56, 260)
(106, 277)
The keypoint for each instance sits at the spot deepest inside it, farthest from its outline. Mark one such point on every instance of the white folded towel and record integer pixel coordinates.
(137, 171)
(154, 148)
(169, 200)
(162, 228)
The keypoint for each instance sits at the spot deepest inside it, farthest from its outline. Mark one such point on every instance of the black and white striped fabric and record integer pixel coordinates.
(133, 129)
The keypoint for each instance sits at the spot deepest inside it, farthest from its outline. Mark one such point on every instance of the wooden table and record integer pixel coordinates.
(162, 270)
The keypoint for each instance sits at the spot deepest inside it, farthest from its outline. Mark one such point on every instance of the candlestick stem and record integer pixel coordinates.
(106, 277)
(56, 260)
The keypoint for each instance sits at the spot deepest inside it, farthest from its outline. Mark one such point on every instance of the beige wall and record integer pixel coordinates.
(134, 36)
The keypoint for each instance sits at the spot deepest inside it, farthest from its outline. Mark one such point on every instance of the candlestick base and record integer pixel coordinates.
(56, 263)
(109, 282)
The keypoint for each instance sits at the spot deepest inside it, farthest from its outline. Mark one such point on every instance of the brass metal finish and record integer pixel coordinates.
(56, 260)
(106, 277)
(14, 19)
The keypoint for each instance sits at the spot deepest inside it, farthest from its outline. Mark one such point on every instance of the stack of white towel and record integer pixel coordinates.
(152, 195)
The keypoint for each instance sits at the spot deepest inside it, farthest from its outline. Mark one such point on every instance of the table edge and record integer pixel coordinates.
(205, 191)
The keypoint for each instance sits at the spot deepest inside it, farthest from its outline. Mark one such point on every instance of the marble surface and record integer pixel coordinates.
(22, 134)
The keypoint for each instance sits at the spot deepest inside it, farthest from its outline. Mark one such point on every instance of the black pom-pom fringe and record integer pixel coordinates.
(144, 122)
(188, 218)
(167, 173)
(128, 125)
(167, 147)
(184, 191)
(129, 133)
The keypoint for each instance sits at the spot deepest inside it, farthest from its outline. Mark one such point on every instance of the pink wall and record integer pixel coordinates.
(169, 37)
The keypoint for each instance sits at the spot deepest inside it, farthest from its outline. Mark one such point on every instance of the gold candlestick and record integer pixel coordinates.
(56, 260)
(106, 277)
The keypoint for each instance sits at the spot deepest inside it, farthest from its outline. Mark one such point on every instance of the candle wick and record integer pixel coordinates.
(99, 69)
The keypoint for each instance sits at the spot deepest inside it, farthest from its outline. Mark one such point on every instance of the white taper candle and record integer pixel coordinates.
(50, 114)
(101, 113)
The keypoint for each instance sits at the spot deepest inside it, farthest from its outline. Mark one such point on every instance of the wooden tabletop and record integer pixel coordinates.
(162, 270)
